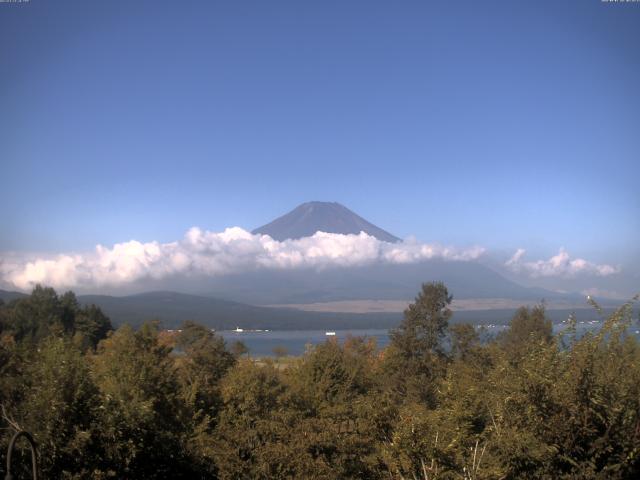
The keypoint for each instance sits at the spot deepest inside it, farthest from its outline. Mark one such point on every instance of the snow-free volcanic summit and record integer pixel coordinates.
(312, 217)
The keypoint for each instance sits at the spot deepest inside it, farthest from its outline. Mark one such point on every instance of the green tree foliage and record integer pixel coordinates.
(91, 325)
(464, 341)
(425, 322)
(44, 313)
(528, 328)
(199, 371)
(48, 391)
(59, 407)
(415, 358)
(335, 389)
(253, 435)
(205, 362)
(37, 316)
(319, 419)
(579, 405)
(141, 409)
(569, 411)
(526, 405)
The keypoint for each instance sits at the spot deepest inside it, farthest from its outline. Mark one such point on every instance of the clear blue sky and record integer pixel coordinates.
(500, 123)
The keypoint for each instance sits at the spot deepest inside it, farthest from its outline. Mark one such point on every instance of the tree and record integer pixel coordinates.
(204, 363)
(527, 329)
(91, 324)
(415, 356)
(44, 313)
(33, 318)
(142, 421)
(206, 354)
(344, 412)
(464, 340)
(425, 322)
(253, 435)
(528, 405)
(60, 409)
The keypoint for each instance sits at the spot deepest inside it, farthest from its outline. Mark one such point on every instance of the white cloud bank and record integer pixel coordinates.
(211, 253)
(560, 265)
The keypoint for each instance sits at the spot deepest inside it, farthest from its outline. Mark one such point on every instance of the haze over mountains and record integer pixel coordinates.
(371, 282)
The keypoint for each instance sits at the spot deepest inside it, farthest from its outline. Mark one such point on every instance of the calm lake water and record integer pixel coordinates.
(261, 344)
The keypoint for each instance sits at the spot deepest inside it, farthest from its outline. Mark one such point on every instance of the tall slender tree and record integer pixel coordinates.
(416, 356)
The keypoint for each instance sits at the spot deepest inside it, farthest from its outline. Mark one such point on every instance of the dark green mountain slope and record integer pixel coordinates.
(172, 308)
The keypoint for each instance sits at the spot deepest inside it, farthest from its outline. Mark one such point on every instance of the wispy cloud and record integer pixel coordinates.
(216, 253)
(560, 265)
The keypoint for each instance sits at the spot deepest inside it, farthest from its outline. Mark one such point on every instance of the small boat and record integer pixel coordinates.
(238, 330)
(330, 334)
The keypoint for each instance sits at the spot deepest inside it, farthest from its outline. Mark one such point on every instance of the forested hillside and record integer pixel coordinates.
(145, 404)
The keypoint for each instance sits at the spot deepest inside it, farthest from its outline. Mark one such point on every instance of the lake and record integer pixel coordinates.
(262, 343)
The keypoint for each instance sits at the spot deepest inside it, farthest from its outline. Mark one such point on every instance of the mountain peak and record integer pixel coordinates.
(311, 217)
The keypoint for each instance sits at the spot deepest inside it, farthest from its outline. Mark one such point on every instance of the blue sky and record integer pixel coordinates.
(496, 123)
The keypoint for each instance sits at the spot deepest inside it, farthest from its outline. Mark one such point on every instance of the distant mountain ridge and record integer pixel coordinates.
(172, 308)
(330, 217)
(8, 296)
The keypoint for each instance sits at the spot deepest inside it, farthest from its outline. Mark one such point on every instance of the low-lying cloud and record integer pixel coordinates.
(560, 265)
(216, 253)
